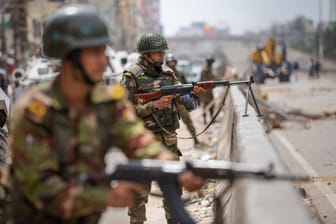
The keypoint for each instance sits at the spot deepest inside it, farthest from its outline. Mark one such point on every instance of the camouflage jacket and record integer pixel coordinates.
(207, 75)
(143, 78)
(180, 76)
(51, 143)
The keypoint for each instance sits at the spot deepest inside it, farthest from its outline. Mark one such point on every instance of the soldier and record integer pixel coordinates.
(171, 62)
(60, 131)
(160, 116)
(207, 75)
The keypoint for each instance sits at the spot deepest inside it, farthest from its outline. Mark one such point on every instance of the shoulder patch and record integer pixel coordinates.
(102, 93)
(117, 92)
(136, 70)
(37, 107)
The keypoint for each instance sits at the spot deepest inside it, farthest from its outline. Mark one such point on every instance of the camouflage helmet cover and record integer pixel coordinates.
(73, 27)
(152, 42)
(210, 59)
(170, 57)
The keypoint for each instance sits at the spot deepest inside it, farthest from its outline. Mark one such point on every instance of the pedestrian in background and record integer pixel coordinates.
(207, 75)
(311, 71)
(317, 68)
(171, 62)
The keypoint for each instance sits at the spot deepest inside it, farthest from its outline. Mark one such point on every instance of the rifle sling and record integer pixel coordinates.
(213, 118)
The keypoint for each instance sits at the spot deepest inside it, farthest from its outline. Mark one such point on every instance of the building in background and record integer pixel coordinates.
(203, 29)
(22, 23)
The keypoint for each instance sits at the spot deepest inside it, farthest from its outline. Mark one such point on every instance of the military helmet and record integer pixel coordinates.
(210, 59)
(152, 42)
(170, 57)
(73, 27)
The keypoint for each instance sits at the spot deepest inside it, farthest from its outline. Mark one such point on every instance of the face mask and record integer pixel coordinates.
(158, 64)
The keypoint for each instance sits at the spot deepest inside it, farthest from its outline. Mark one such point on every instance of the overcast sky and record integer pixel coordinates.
(239, 15)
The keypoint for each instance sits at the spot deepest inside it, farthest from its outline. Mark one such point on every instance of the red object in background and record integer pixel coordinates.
(208, 30)
(10, 69)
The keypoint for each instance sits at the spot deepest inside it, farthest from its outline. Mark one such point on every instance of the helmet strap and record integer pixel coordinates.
(157, 65)
(74, 57)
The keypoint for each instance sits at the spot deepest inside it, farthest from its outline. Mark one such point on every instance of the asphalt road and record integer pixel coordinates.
(309, 150)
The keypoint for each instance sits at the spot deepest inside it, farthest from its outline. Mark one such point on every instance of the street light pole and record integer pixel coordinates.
(319, 52)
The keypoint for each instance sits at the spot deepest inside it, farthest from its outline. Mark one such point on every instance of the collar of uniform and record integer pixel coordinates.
(58, 100)
(148, 67)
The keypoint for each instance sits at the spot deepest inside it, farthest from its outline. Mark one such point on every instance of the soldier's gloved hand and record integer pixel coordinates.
(123, 194)
(190, 182)
(199, 91)
(163, 102)
(190, 102)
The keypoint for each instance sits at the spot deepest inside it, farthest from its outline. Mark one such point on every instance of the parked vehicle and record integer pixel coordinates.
(192, 71)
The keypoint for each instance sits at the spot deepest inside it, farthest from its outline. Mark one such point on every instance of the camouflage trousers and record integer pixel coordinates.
(23, 212)
(33, 216)
(186, 119)
(137, 213)
(205, 100)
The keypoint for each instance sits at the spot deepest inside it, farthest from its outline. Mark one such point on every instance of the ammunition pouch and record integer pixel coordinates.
(166, 118)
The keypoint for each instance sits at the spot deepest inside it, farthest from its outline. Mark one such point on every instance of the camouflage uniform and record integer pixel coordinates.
(52, 144)
(207, 75)
(4, 160)
(182, 110)
(142, 78)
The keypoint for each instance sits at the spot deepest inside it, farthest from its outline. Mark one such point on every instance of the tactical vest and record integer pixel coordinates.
(146, 83)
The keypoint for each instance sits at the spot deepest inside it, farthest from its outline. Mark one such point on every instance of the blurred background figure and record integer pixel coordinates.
(311, 71)
(207, 75)
(171, 62)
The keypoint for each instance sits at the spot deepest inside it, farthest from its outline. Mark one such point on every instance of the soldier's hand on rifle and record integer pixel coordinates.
(190, 182)
(199, 91)
(123, 194)
(163, 102)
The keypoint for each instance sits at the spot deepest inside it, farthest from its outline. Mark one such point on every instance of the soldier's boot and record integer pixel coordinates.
(172, 221)
(197, 144)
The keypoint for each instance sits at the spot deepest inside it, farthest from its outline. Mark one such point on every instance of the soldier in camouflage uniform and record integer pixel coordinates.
(207, 75)
(161, 115)
(171, 62)
(61, 131)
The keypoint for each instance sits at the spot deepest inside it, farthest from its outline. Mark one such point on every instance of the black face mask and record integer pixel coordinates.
(158, 67)
(158, 64)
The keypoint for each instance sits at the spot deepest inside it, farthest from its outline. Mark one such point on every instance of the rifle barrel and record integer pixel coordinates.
(239, 82)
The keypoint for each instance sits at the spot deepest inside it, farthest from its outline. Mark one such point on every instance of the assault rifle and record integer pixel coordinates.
(142, 98)
(166, 173)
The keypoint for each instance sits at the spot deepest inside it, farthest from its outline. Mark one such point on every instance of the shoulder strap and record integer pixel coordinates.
(136, 70)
